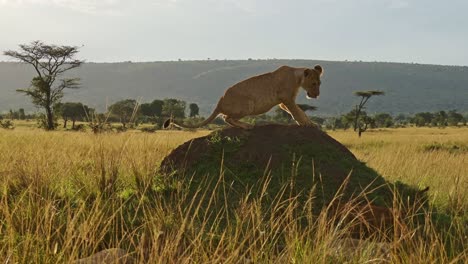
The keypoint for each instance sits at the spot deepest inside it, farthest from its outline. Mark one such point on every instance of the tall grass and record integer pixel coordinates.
(66, 195)
(432, 157)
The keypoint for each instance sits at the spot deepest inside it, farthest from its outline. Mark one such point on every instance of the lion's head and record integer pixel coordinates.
(311, 81)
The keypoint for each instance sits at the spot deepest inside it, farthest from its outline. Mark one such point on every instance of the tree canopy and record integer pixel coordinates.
(173, 107)
(194, 110)
(125, 110)
(361, 122)
(153, 109)
(50, 62)
(74, 112)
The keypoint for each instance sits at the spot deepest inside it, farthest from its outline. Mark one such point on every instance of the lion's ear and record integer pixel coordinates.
(307, 72)
(319, 69)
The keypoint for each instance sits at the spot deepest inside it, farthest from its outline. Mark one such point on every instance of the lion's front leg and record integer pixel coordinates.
(299, 116)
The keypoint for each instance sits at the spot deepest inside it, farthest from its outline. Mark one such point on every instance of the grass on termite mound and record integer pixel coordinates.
(316, 164)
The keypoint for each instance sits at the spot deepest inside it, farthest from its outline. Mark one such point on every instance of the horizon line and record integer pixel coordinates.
(252, 59)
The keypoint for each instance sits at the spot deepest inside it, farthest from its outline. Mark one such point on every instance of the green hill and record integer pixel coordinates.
(409, 88)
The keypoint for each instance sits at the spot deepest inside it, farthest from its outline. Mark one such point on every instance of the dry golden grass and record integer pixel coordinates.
(66, 195)
(432, 157)
(66, 154)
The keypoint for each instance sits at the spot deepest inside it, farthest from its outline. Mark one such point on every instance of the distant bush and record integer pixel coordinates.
(7, 124)
(42, 122)
(449, 147)
(100, 127)
(79, 127)
(150, 129)
(120, 128)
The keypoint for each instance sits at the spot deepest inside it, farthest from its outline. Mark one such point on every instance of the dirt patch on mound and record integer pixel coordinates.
(262, 145)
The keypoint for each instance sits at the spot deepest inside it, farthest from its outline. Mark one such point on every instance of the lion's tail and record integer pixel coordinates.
(170, 121)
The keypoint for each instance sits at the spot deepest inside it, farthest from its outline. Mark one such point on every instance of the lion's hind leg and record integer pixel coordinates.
(236, 123)
(298, 115)
(283, 106)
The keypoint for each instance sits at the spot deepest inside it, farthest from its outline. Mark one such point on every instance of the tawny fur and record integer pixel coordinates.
(259, 94)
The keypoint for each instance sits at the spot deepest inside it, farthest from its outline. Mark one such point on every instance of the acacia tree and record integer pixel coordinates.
(361, 123)
(73, 111)
(153, 109)
(455, 118)
(383, 120)
(49, 62)
(125, 110)
(194, 110)
(173, 108)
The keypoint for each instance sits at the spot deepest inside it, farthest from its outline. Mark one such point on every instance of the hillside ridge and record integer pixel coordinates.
(409, 88)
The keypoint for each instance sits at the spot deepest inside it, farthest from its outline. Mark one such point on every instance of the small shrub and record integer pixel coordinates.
(150, 129)
(99, 127)
(42, 121)
(449, 147)
(121, 129)
(7, 124)
(79, 127)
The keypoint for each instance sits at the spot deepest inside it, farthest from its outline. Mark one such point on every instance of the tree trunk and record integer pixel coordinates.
(50, 118)
(65, 123)
(73, 123)
(358, 112)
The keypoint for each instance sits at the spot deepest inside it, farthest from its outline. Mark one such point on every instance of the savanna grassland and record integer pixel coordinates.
(432, 157)
(66, 195)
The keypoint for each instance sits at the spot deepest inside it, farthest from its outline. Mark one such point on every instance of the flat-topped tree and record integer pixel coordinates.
(74, 111)
(50, 62)
(365, 96)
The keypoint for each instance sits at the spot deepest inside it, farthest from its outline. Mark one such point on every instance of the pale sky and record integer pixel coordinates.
(421, 31)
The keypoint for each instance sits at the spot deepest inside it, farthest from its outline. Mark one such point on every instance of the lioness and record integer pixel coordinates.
(257, 95)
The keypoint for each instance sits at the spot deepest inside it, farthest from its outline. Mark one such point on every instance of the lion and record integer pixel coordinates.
(259, 94)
